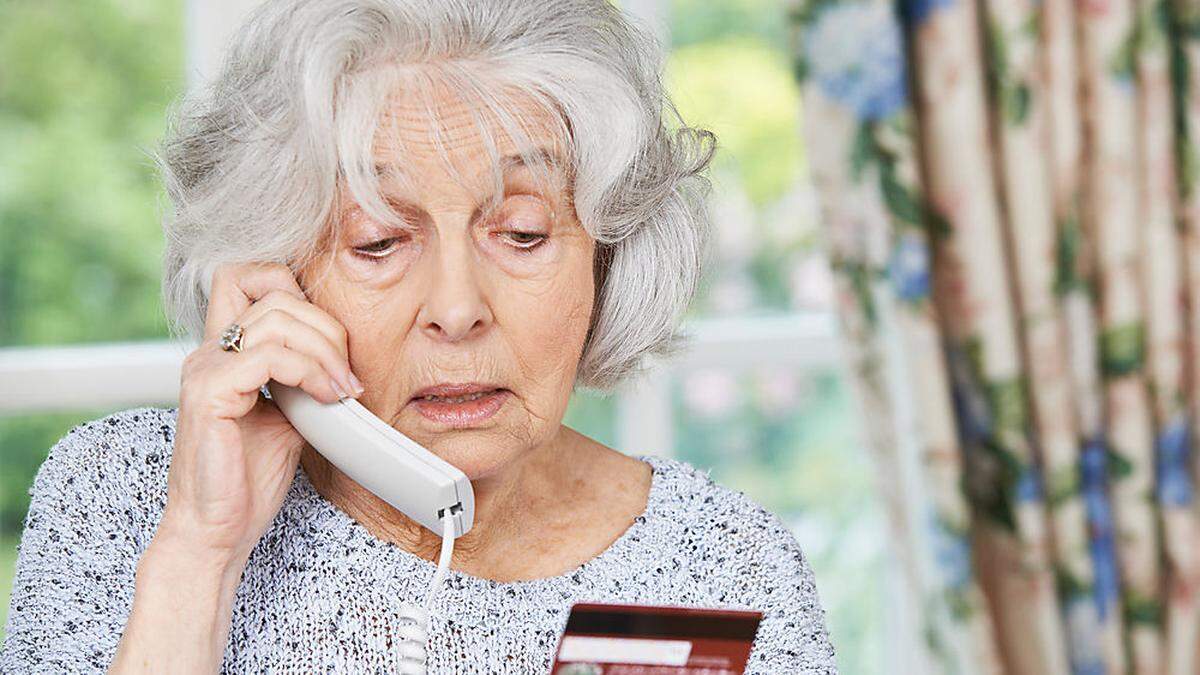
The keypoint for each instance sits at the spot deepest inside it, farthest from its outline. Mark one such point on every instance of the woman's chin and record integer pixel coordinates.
(476, 460)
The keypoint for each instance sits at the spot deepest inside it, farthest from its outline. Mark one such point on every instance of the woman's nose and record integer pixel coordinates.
(455, 306)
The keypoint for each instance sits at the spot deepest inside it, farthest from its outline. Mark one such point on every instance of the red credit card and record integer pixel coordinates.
(621, 639)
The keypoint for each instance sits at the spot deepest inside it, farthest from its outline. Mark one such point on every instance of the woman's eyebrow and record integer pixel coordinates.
(512, 161)
(507, 164)
(543, 155)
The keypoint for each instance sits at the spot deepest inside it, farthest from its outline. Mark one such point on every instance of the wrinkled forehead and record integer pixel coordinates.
(474, 133)
(403, 132)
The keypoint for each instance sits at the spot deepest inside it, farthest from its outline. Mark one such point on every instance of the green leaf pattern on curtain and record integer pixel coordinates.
(850, 58)
(1009, 194)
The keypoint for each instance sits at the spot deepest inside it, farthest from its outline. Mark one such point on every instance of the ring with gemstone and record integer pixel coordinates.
(231, 339)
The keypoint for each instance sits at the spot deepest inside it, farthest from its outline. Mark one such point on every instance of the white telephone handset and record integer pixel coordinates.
(391, 465)
(422, 485)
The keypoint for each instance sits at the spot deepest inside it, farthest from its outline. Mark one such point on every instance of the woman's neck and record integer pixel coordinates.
(509, 506)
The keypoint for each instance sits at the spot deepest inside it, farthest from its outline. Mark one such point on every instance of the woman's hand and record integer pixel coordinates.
(234, 459)
(235, 453)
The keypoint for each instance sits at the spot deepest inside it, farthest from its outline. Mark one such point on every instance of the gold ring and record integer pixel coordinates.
(231, 339)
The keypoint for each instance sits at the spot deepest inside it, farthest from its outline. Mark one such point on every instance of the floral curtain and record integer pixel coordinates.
(1010, 191)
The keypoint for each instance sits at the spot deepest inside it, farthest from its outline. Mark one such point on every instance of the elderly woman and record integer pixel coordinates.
(456, 212)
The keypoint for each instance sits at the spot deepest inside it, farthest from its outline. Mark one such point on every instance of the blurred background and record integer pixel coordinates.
(762, 400)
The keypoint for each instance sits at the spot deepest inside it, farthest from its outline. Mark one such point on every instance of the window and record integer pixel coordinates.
(761, 401)
(85, 88)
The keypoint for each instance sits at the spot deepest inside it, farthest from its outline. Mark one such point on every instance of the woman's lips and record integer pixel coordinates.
(464, 414)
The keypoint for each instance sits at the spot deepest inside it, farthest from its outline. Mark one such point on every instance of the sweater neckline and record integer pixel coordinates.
(390, 564)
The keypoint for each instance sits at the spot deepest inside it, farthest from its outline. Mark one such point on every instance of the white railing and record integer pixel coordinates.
(110, 376)
(80, 377)
(50, 379)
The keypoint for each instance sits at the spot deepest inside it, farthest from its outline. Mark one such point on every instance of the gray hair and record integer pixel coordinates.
(254, 162)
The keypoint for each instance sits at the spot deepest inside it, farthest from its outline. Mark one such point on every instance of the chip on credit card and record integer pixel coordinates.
(626, 639)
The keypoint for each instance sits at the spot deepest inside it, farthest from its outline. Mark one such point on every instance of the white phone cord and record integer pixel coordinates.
(414, 636)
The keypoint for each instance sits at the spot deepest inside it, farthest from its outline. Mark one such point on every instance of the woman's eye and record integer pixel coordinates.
(377, 249)
(526, 241)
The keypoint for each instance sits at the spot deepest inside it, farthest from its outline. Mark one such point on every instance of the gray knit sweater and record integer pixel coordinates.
(319, 592)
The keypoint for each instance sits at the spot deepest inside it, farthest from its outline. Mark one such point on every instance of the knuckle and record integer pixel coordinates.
(282, 276)
(274, 317)
(225, 274)
(193, 362)
(189, 361)
(276, 297)
(273, 354)
(265, 350)
(316, 373)
(187, 373)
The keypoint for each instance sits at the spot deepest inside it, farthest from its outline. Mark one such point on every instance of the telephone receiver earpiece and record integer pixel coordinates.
(391, 465)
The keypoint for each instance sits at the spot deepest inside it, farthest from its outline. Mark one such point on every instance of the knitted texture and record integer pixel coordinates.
(320, 592)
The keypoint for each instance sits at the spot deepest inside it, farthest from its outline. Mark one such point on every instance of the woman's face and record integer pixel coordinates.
(493, 289)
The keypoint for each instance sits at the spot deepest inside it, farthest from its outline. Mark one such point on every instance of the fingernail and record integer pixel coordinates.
(337, 387)
(358, 387)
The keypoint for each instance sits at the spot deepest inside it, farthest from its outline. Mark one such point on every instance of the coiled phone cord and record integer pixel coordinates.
(414, 636)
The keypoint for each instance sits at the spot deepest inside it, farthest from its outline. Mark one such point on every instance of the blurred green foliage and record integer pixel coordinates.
(700, 21)
(83, 93)
(83, 87)
(743, 90)
(83, 90)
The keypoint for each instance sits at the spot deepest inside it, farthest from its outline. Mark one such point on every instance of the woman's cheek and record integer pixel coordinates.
(561, 301)
(378, 273)
(537, 263)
